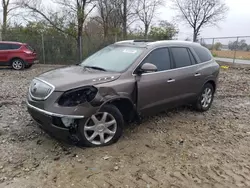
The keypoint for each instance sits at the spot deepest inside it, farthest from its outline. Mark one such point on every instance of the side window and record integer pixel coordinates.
(5, 47)
(160, 58)
(15, 46)
(181, 57)
(203, 54)
(193, 60)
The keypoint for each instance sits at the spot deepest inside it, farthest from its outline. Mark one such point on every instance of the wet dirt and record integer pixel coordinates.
(178, 148)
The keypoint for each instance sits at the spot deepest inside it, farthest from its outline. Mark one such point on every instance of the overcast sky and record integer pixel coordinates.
(237, 22)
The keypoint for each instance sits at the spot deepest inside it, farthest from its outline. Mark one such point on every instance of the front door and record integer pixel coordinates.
(155, 89)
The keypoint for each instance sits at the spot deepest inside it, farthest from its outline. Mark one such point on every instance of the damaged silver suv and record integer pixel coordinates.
(89, 103)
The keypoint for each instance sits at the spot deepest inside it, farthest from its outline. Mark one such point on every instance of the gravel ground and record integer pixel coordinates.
(179, 148)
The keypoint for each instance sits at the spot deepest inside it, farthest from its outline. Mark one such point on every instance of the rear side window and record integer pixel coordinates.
(15, 46)
(203, 54)
(9, 46)
(181, 57)
(160, 58)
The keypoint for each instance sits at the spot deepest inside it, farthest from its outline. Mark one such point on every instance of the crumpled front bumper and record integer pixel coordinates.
(52, 113)
(46, 121)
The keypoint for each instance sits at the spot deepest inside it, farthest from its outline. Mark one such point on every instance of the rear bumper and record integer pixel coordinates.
(31, 61)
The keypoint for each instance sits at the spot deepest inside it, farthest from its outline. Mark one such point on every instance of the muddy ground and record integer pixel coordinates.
(179, 148)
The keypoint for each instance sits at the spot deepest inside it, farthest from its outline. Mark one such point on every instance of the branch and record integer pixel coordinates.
(35, 10)
(89, 12)
(66, 3)
(181, 8)
(13, 8)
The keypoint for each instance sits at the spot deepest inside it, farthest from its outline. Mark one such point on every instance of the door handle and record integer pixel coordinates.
(197, 74)
(171, 80)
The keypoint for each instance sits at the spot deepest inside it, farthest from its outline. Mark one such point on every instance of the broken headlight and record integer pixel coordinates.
(78, 96)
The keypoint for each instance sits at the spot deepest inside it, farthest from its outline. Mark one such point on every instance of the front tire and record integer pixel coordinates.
(103, 128)
(17, 64)
(205, 99)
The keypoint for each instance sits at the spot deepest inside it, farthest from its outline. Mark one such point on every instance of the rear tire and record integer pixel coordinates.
(28, 66)
(205, 98)
(98, 130)
(17, 64)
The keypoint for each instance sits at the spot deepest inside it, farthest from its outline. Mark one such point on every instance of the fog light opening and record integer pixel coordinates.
(68, 122)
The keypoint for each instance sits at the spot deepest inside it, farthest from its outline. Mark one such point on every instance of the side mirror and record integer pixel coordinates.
(147, 67)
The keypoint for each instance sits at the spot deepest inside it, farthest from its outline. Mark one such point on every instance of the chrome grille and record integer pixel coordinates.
(40, 90)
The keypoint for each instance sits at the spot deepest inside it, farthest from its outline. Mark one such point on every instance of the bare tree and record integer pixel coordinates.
(127, 14)
(146, 11)
(7, 7)
(201, 13)
(116, 13)
(109, 15)
(124, 18)
(71, 13)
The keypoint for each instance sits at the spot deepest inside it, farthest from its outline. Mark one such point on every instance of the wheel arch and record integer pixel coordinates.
(126, 107)
(13, 58)
(212, 82)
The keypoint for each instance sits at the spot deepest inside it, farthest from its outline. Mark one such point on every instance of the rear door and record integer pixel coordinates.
(186, 75)
(4, 53)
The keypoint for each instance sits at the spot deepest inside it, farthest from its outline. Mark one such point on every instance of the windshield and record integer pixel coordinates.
(113, 58)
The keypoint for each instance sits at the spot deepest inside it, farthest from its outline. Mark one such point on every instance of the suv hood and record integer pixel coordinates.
(67, 78)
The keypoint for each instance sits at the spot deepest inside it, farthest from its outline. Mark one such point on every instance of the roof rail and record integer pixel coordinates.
(124, 41)
(144, 40)
(134, 41)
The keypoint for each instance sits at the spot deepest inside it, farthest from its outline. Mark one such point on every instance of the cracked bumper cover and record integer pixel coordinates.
(45, 112)
(45, 121)
(52, 113)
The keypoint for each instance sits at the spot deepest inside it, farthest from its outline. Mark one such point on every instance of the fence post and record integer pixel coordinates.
(81, 47)
(43, 47)
(213, 46)
(235, 50)
(1, 38)
(115, 36)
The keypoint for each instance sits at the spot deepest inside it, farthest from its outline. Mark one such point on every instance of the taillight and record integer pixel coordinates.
(28, 52)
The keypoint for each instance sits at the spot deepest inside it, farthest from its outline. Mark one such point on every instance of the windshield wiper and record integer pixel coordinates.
(96, 68)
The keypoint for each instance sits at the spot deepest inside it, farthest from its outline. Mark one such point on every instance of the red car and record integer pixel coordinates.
(17, 55)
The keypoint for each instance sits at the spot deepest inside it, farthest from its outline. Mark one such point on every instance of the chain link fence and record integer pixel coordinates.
(229, 49)
(61, 49)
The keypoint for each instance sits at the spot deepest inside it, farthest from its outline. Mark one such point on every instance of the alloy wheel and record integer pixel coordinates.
(17, 64)
(206, 97)
(100, 128)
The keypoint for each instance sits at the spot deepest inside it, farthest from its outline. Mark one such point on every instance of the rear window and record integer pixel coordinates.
(30, 48)
(203, 53)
